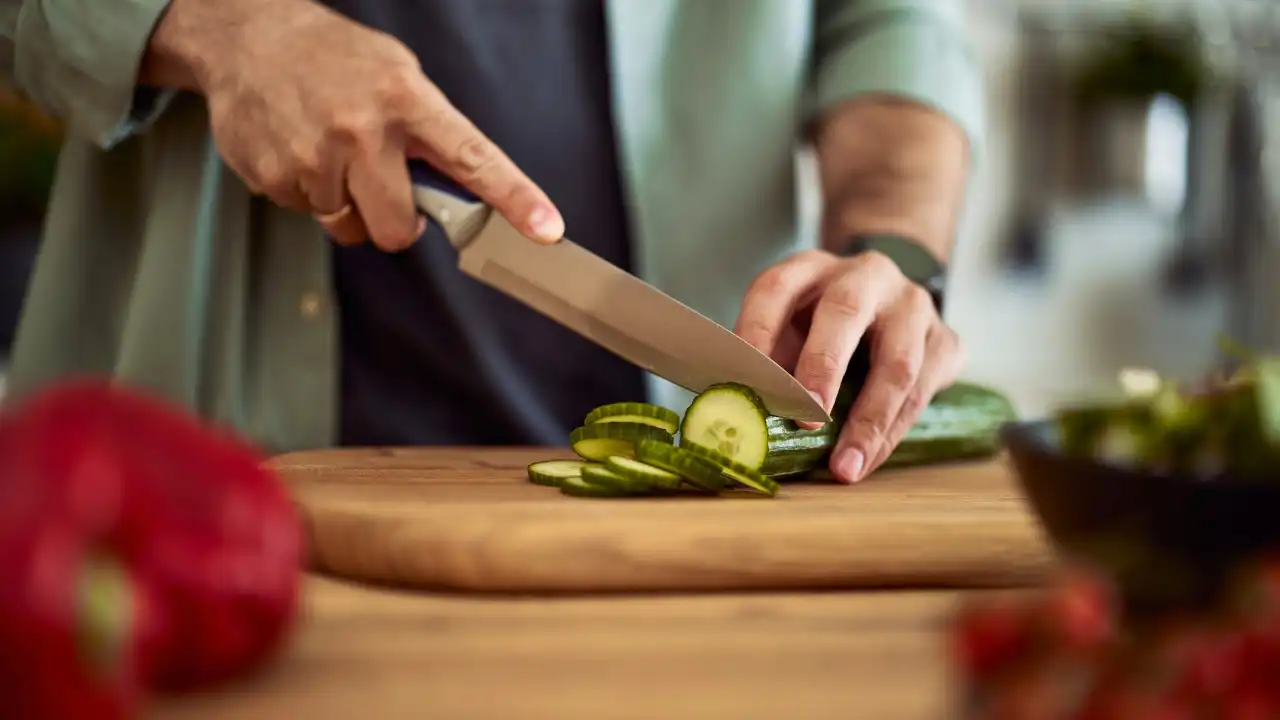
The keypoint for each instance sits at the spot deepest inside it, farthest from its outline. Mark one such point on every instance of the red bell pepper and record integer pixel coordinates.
(205, 541)
(74, 632)
(229, 569)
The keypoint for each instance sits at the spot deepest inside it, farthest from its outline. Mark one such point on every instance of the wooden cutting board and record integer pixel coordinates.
(467, 519)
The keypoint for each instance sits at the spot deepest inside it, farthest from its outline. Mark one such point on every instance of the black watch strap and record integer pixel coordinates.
(915, 261)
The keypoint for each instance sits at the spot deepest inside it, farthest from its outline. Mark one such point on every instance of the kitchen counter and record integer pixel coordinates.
(365, 652)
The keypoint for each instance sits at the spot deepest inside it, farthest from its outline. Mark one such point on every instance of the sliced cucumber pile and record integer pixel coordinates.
(728, 441)
(629, 450)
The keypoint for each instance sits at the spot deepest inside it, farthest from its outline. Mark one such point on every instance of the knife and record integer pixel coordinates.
(604, 303)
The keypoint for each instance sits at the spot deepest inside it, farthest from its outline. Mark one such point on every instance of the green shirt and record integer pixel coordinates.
(158, 267)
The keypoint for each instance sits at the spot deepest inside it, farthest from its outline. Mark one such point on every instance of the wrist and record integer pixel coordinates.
(189, 43)
(173, 53)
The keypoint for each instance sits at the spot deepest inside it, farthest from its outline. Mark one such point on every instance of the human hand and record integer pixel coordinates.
(320, 114)
(811, 311)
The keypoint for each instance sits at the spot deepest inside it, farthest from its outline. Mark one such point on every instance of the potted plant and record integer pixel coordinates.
(1139, 61)
(29, 143)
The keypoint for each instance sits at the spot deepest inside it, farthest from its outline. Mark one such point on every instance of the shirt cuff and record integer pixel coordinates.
(79, 61)
(913, 56)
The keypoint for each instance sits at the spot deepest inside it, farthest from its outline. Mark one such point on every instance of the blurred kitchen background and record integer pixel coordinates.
(1126, 210)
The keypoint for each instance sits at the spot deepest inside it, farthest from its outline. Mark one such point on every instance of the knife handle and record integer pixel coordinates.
(457, 211)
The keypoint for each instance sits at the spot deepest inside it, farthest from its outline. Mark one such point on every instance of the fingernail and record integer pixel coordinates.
(809, 424)
(422, 225)
(847, 465)
(547, 224)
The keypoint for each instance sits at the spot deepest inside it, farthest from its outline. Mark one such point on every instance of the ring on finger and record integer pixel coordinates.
(335, 216)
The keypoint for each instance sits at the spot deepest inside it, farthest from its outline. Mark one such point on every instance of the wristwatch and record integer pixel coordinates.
(915, 261)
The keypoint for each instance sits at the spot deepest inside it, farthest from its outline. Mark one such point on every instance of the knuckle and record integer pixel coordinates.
(308, 160)
(912, 405)
(781, 279)
(271, 178)
(355, 127)
(876, 262)
(863, 431)
(822, 364)
(756, 328)
(398, 90)
(844, 298)
(900, 372)
(475, 156)
(918, 299)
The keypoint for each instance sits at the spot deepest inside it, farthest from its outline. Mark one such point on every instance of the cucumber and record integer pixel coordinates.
(552, 472)
(731, 420)
(794, 450)
(633, 412)
(962, 422)
(604, 477)
(728, 439)
(600, 440)
(580, 487)
(697, 471)
(637, 471)
(736, 472)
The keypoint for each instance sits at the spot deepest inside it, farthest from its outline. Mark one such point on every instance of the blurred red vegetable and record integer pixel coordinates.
(121, 514)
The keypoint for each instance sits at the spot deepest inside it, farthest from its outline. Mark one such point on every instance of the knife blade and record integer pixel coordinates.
(606, 304)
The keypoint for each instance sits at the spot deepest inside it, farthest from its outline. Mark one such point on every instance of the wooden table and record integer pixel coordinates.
(371, 654)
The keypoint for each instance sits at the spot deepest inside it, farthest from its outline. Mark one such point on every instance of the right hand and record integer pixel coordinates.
(320, 114)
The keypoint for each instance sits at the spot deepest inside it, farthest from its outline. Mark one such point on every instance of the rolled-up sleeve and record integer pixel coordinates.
(78, 60)
(915, 49)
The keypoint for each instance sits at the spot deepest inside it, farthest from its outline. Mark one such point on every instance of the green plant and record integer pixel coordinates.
(1142, 61)
(29, 144)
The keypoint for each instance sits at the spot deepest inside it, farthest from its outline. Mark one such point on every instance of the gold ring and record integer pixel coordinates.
(328, 218)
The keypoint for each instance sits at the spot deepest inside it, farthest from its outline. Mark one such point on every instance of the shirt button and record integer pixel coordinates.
(310, 306)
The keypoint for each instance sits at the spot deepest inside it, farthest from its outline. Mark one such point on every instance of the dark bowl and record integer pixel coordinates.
(1169, 541)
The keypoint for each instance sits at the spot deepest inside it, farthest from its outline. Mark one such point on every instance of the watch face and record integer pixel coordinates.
(915, 262)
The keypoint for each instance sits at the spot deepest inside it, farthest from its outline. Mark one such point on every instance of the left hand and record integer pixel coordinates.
(810, 311)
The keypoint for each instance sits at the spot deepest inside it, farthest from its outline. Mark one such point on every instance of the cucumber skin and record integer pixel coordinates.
(794, 450)
(962, 422)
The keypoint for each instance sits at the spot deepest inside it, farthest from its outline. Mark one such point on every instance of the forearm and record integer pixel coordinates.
(889, 165)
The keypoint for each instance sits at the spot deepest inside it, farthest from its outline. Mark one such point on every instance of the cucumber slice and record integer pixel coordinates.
(601, 440)
(579, 487)
(640, 472)
(737, 472)
(602, 476)
(552, 472)
(697, 471)
(633, 412)
(731, 420)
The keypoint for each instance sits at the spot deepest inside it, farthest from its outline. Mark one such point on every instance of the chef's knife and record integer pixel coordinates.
(604, 303)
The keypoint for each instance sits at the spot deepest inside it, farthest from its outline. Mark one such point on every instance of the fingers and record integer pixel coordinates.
(944, 359)
(382, 192)
(332, 207)
(773, 298)
(455, 147)
(345, 226)
(892, 387)
(844, 312)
